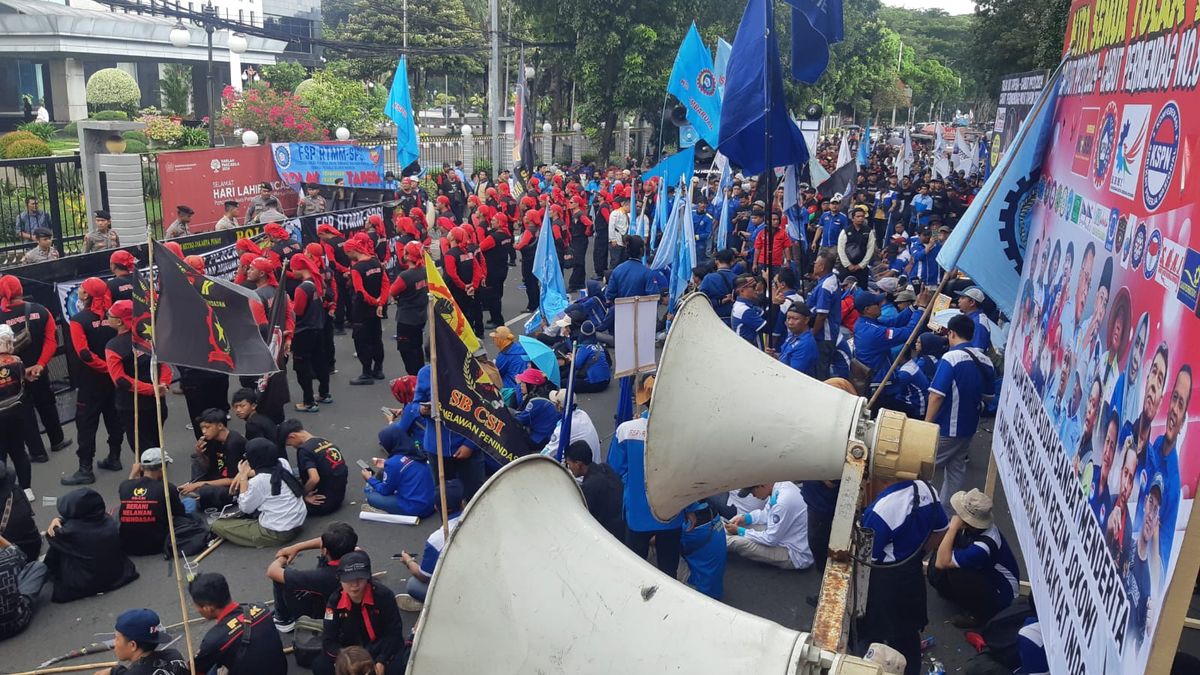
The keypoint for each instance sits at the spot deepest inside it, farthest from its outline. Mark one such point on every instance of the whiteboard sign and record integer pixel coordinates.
(633, 334)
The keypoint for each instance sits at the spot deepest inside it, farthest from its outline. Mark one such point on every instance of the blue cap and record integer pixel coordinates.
(141, 626)
(865, 299)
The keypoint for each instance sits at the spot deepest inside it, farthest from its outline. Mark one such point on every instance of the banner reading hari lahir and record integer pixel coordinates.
(1094, 438)
(469, 399)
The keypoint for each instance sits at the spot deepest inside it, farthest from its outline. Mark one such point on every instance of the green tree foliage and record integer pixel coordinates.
(341, 102)
(176, 88)
(112, 89)
(285, 75)
(1014, 36)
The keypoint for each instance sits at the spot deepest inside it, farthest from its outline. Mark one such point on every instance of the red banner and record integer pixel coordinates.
(206, 179)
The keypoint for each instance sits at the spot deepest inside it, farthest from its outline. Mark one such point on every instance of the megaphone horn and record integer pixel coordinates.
(559, 595)
(725, 415)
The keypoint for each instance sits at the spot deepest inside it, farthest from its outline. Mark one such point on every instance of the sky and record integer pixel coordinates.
(950, 6)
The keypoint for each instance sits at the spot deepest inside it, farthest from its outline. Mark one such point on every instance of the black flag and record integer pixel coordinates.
(843, 181)
(203, 324)
(273, 392)
(523, 132)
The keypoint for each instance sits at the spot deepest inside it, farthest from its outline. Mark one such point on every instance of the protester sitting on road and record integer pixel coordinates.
(435, 544)
(362, 612)
(704, 547)
(511, 360)
(406, 426)
(214, 466)
(17, 524)
(539, 415)
(322, 468)
(267, 489)
(85, 555)
(258, 425)
(227, 645)
(142, 515)
(776, 534)
(139, 641)
(601, 486)
(582, 428)
(21, 581)
(974, 567)
(304, 592)
(404, 485)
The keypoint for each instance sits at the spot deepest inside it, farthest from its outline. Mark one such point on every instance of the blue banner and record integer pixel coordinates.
(695, 85)
(321, 163)
(399, 110)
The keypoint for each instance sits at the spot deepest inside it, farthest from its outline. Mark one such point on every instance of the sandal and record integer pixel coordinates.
(300, 407)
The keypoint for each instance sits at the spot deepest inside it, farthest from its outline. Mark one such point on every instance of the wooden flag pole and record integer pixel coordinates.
(436, 413)
(153, 302)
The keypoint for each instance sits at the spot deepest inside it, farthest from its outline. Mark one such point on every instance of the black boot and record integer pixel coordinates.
(84, 476)
(39, 458)
(110, 463)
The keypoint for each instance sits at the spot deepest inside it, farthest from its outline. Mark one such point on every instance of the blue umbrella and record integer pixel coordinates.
(542, 357)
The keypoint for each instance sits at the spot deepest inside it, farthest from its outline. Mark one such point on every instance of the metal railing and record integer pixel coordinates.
(57, 183)
(153, 194)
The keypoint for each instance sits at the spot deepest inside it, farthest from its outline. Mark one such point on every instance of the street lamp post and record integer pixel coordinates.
(181, 38)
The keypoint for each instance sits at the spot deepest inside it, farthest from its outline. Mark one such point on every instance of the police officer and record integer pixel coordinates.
(134, 392)
(258, 204)
(411, 294)
(369, 289)
(90, 334)
(36, 341)
(312, 203)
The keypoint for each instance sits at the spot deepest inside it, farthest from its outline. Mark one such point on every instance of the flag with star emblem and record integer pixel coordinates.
(205, 323)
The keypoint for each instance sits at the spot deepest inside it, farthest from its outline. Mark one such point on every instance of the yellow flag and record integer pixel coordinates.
(445, 307)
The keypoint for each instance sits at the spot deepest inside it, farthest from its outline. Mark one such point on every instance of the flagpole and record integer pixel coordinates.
(987, 200)
(768, 170)
(152, 300)
(436, 413)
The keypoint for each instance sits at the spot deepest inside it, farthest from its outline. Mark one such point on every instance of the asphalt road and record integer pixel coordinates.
(352, 421)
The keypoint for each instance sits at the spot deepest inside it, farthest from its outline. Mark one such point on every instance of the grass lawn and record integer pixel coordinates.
(63, 146)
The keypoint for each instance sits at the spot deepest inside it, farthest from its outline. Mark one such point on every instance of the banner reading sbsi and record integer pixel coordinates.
(1094, 438)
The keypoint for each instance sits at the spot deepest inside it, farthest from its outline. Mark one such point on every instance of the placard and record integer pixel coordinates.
(634, 322)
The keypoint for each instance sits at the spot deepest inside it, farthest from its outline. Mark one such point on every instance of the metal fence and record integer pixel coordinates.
(153, 194)
(57, 185)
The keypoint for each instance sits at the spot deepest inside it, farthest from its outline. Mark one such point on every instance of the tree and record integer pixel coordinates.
(341, 102)
(1013, 36)
(285, 75)
(176, 88)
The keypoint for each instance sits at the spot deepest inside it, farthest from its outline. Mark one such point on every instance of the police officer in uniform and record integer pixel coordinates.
(411, 294)
(370, 286)
(90, 334)
(258, 204)
(312, 203)
(36, 341)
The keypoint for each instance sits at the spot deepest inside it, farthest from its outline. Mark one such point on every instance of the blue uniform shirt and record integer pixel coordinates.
(593, 367)
(832, 225)
(839, 365)
(900, 530)
(626, 457)
(800, 353)
(411, 482)
(874, 339)
(704, 552)
(404, 435)
(910, 386)
(539, 416)
(630, 279)
(826, 299)
(716, 286)
(963, 381)
(512, 362)
(989, 553)
(1168, 512)
(747, 320)
(983, 337)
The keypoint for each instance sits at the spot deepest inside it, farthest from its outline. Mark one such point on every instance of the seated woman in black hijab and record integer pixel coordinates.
(268, 491)
(16, 516)
(85, 548)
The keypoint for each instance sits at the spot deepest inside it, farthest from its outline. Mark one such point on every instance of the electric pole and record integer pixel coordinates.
(495, 95)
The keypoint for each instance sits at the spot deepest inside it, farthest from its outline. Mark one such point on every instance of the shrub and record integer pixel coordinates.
(275, 117)
(14, 137)
(27, 148)
(285, 76)
(133, 147)
(113, 89)
(163, 130)
(43, 130)
(342, 102)
(301, 88)
(71, 130)
(135, 136)
(176, 88)
(194, 137)
(111, 116)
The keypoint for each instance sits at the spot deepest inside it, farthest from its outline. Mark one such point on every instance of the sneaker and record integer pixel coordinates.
(300, 407)
(326, 399)
(61, 445)
(371, 509)
(110, 464)
(285, 627)
(408, 603)
(83, 476)
(363, 379)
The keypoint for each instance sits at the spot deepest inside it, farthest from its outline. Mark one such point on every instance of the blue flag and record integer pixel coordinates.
(816, 24)
(864, 146)
(985, 156)
(564, 429)
(726, 207)
(685, 252)
(755, 102)
(721, 64)
(673, 167)
(399, 109)
(695, 85)
(553, 300)
(989, 241)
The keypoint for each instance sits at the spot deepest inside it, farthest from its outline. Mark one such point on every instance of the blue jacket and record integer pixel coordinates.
(626, 457)
(539, 416)
(702, 225)
(404, 436)
(592, 363)
(705, 554)
(800, 353)
(630, 279)
(874, 339)
(512, 362)
(450, 441)
(982, 338)
(716, 286)
(411, 482)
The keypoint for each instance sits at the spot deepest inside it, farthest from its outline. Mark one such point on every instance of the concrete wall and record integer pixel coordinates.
(126, 201)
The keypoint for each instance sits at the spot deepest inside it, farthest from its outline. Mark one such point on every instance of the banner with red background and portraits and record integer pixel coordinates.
(1096, 439)
(206, 179)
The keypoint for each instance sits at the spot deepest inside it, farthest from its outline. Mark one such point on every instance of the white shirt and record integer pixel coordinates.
(43, 115)
(582, 429)
(618, 227)
(278, 513)
(785, 519)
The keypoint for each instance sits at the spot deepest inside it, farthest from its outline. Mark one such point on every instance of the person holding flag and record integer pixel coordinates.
(124, 357)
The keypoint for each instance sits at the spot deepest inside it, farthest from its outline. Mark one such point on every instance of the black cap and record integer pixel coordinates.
(101, 213)
(186, 210)
(354, 565)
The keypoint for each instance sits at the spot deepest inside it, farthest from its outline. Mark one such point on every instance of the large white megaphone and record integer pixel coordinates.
(725, 415)
(531, 583)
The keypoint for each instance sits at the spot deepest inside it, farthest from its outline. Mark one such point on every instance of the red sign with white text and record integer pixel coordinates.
(206, 179)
